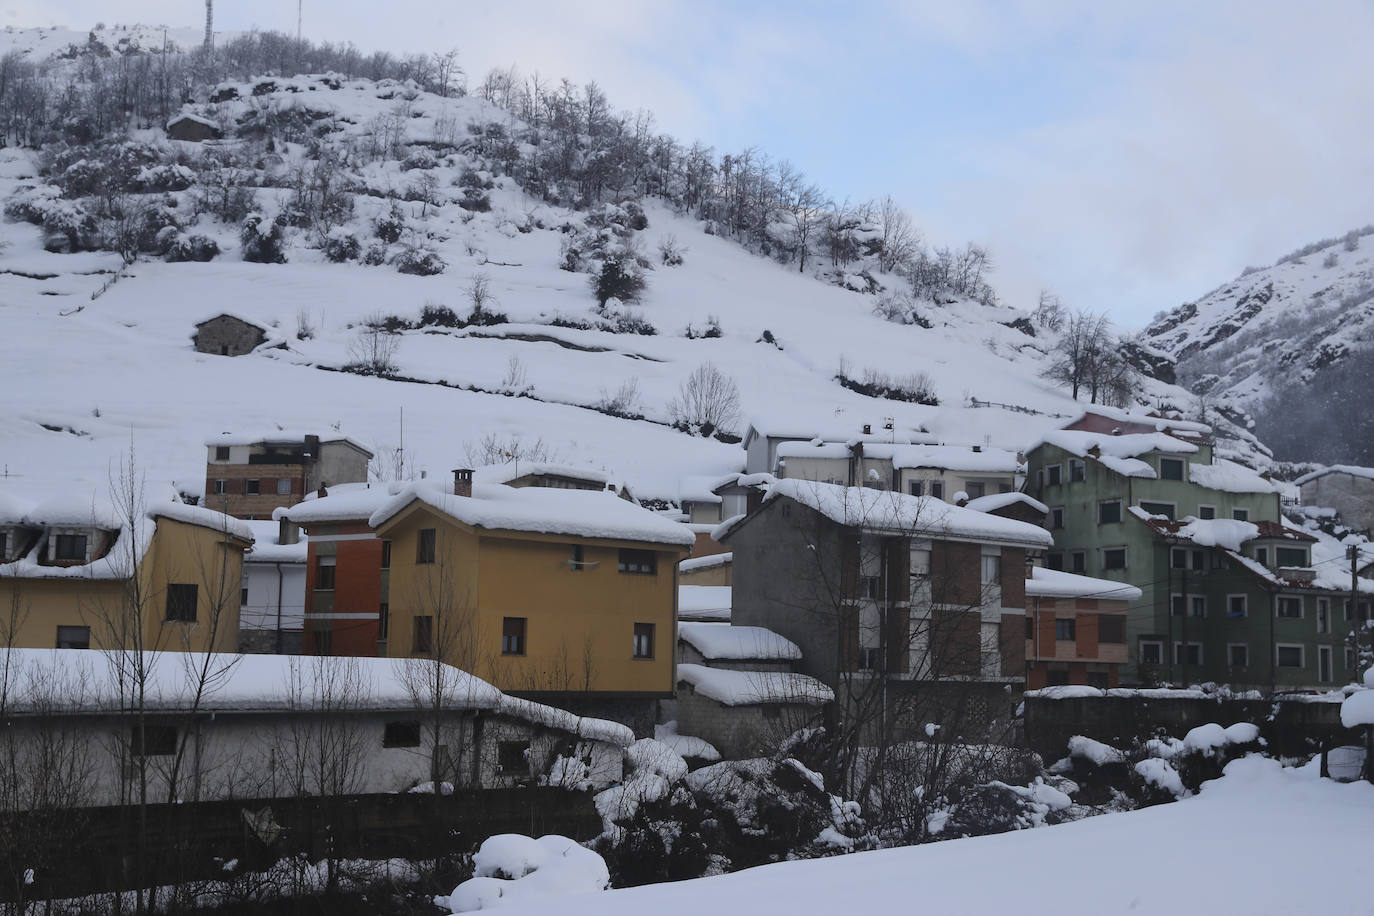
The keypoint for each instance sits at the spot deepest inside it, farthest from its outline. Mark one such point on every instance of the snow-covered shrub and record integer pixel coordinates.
(482, 316)
(471, 178)
(709, 331)
(917, 387)
(67, 228)
(706, 403)
(439, 316)
(390, 225)
(375, 256)
(341, 244)
(192, 247)
(997, 807)
(625, 321)
(373, 351)
(624, 402)
(670, 253)
(164, 177)
(419, 261)
(474, 201)
(262, 240)
(419, 158)
(511, 869)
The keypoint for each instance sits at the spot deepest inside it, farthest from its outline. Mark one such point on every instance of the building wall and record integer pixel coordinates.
(579, 622)
(228, 336)
(236, 501)
(1351, 496)
(351, 611)
(722, 574)
(339, 462)
(741, 731)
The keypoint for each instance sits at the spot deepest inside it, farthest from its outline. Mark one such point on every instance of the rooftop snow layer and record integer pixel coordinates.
(957, 458)
(279, 437)
(1161, 424)
(345, 502)
(267, 550)
(1130, 445)
(994, 501)
(514, 470)
(1052, 583)
(704, 602)
(707, 562)
(732, 643)
(202, 517)
(552, 717)
(748, 688)
(1351, 469)
(1229, 477)
(578, 513)
(885, 510)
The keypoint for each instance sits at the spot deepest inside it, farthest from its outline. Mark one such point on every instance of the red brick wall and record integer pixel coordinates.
(357, 590)
(1013, 577)
(955, 573)
(239, 504)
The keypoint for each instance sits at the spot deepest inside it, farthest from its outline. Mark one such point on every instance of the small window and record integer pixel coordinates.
(424, 546)
(69, 547)
(937, 489)
(513, 635)
(1030, 627)
(1240, 515)
(1056, 517)
(1057, 677)
(243, 597)
(1288, 656)
(1170, 469)
(1054, 474)
(1290, 607)
(1237, 606)
(578, 558)
(870, 658)
(992, 570)
(1109, 512)
(1111, 628)
(221, 486)
(405, 733)
(1165, 509)
(638, 562)
(73, 637)
(1078, 470)
(1238, 655)
(1323, 615)
(1206, 512)
(252, 486)
(644, 640)
(1183, 558)
(283, 486)
(324, 573)
(221, 453)
(1197, 604)
(870, 587)
(1066, 629)
(322, 642)
(920, 563)
(386, 554)
(181, 602)
(1113, 557)
(1151, 652)
(512, 757)
(1054, 560)
(153, 741)
(1078, 561)
(915, 487)
(1262, 555)
(422, 637)
(975, 490)
(1188, 653)
(1290, 556)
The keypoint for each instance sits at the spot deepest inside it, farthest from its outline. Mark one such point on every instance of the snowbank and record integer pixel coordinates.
(1094, 751)
(513, 869)
(1053, 583)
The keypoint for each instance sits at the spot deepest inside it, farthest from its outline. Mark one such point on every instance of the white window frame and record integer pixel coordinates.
(1245, 605)
(1202, 506)
(1074, 554)
(871, 587)
(1278, 607)
(1054, 483)
(1262, 556)
(1323, 615)
(1193, 599)
(1306, 557)
(1125, 557)
(1173, 515)
(1056, 521)
(1182, 468)
(1178, 658)
(1140, 651)
(1080, 465)
(1120, 511)
(1240, 515)
(1302, 654)
(990, 562)
(283, 486)
(1235, 645)
(1330, 656)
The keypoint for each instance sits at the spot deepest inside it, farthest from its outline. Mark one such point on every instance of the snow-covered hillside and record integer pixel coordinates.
(86, 374)
(117, 39)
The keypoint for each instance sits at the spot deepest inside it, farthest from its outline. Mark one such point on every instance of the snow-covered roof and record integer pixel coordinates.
(280, 437)
(704, 603)
(1052, 583)
(886, 510)
(552, 717)
(577, 513)
(814, 448)
(1160, 423)
(344, 502)
(723, 641)
(981, 459)
(266, 548)
(814, 424)
(13, 509)
(1351, 469)
(188, 116)
(220, 313)
(748, 688)
(514, 470)
(88, 509)
(202, 517)
(709, 561)
(1358, 708)
(1127, 446)
(994, 501)
(1229, 477)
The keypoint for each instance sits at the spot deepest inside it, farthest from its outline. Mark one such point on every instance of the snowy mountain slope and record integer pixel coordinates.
(1277, 325)
(82, 378)
(63, 43)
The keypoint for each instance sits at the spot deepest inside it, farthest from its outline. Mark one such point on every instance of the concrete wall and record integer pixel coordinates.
(339, 462)
(1351, 496)
(276, 597)
(228, 336)
(741, 731)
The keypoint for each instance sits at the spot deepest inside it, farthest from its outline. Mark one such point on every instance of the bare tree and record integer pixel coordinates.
(707, 402)
(1080, 346)
(373, 349)
(900, 238)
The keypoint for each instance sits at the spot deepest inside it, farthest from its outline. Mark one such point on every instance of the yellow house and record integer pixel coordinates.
(85, 575)
(541, 591)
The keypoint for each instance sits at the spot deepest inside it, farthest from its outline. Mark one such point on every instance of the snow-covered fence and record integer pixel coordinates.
(1018, 408)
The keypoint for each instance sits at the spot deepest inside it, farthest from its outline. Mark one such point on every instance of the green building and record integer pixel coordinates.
(1229, 592)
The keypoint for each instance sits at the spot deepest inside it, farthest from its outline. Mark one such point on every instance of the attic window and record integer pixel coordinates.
(221, 453)
(69, 547)
(1291, 556)
(1240, 515)
(1170, 469)
(1078, 470)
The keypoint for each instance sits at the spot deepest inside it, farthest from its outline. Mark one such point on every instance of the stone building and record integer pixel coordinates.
(228, 335)
(193, 128)
(1346, 488)
(250, 475)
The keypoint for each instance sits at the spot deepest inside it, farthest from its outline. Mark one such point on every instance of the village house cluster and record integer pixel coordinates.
(494, 626)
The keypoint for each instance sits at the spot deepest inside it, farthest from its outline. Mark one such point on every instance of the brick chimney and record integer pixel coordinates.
(462, 481)
(322, 492)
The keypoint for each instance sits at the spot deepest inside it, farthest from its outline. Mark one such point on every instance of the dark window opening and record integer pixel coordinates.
(1240, 515)
(252, 486)
(1165, 509)
(181, 602)
(1170, 469)
(153, 741)
(937, 489)
(1114, 558)
(638, 562)
(1109, 512)
(401, 734)
(644, 640)
(424, 546)
(1111, 628)
(1238, 655)
(1066, 629)
(422, 637)
(383, 620)
(322, 642)
(73, 637)
(1080, 561)
(221, 453)
(69, 547)
(512, 757)
(1290, 556)
(513, 635)
(324, 573)
(386, 554)
(1290, 656)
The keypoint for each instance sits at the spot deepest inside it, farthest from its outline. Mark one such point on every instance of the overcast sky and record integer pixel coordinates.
(1128, 159)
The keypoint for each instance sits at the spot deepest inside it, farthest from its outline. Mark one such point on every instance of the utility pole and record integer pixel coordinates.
(1355, 623)
(209, 25)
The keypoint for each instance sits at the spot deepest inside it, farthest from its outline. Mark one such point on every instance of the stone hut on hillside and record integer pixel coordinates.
(229, 335)
(193, 128)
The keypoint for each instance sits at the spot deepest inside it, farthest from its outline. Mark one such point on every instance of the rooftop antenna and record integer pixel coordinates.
(298, 21)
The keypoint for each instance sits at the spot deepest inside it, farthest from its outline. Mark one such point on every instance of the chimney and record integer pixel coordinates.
(753, 500)
(977, 449)
(462, 481)
(312, 447)
(1095, 450)
(868, 429)
(287, 532)
(322, 492)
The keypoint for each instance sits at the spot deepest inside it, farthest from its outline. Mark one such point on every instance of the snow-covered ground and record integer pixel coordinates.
(1262, 839)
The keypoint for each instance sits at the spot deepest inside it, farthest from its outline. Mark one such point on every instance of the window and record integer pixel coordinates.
(73, 637)
(638, 562)
(1290, 556)
(1288, 656)
(992, 570)
(383, 620)
(252, 486)
(1079, 561)
(1151, 652)
(1170, 469)
(870, 658)
(283, 486)
(424, 546)
(1066, 629)
(1289, 606)
(69, 547)
(920, 563)
(153, 741)
(870, 587)
(1207, 512)
(181, 602)
(1078, 470)
(578, 558)
(405, 733)
(1057, 677)
(1196, 603)
(644, 640)
(513, 635)
(1111, 628)
(1054, 560)
(221, 453)
(1238, 654)
(422, 638)
(1324, 672)
(1349, 658)
(1054, 474)
(1109, 512)
(512, 757)
(1188, 653)
(1182, 558)
(1262, 555)
(1363, 610)
(322, 642)
(915, 487)
(324, 573)
(937, 489)
(386, 554)
(221, 486)
(975, 490)
(1165, 509)
(1237, 606)
(1240, 515)
(1113, 557)
(1056, 517)
(1323, 615)
(243, 597)
(1030, 627)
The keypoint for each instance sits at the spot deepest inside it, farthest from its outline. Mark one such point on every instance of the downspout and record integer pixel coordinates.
(280, 581)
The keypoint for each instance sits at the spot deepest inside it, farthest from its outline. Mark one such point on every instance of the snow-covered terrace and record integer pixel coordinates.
(718, 641)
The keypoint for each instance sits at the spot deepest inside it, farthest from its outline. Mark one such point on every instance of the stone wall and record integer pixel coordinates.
(228, 336)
